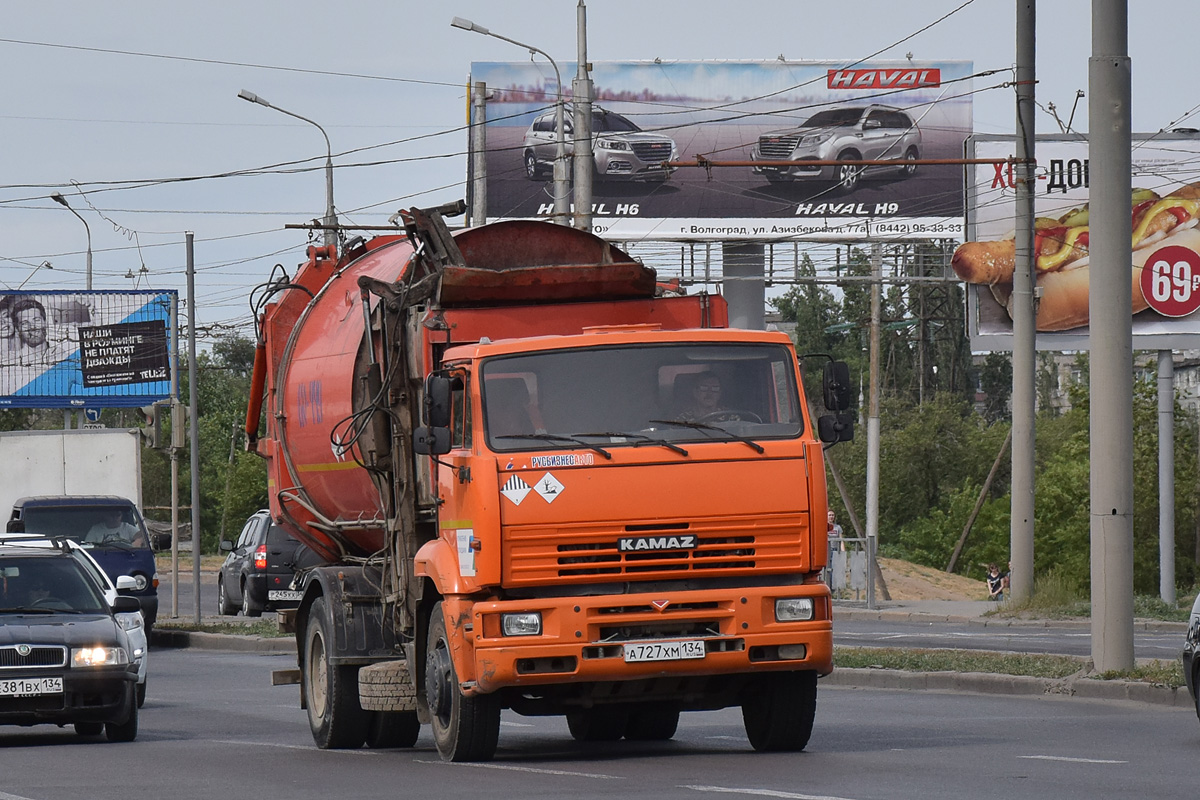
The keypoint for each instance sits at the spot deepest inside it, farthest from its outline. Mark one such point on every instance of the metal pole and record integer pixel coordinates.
(174, 462)
(194, 424)
(581, 93)
(1111, 383)
(1166, 476)
(873, 421)
(1024, 358)
(62, 201)
(479, 154)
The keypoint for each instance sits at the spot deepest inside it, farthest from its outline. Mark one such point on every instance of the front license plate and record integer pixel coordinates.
(664, 651)
(283, 594)
(29, 687)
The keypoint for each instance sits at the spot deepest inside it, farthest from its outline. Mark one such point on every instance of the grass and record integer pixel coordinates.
(266, 628)
(1054, 597)
(1166, 673)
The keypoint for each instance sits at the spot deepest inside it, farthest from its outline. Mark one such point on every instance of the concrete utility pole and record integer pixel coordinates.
(1166, 476)
(873, 420)
(581, 93)
(478, 123)
(194, 428)
(1111, 334)
(1024, 358)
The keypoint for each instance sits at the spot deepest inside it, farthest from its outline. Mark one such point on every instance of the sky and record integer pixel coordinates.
(130, 110)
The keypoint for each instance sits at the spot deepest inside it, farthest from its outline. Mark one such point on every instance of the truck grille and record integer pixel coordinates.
(776, 148)
(11, 656)
(585, 554)
(652, 152)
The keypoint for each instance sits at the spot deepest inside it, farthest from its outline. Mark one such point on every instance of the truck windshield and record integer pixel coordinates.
(640, 396)
(104, 526)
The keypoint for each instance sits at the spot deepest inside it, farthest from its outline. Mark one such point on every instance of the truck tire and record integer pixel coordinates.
(330, 691)
(779, 710)
(393, 729)
(464, 728)
(604, 724)
(652, 724)
(225, 606)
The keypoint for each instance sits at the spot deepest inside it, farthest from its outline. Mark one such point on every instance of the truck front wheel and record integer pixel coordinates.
(330, 691)
(464, 728)
(779, 710)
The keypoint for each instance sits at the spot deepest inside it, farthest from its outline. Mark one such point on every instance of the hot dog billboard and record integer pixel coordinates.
(1164, 269)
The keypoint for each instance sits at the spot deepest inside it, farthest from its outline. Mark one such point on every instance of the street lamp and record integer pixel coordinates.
(62, 201)
(330, 222)
(562, 209)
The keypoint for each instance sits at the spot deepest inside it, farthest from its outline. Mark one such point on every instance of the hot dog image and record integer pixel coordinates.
(1061, 255)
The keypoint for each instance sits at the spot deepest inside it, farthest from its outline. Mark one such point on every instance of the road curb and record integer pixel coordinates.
(989, 683)
(177, 639)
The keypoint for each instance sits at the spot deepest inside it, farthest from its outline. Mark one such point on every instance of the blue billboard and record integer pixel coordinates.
(66, 349)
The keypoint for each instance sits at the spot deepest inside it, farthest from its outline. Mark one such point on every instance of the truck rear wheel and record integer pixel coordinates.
(652, 724)
(464, 728)
(604, 724)
(779, 711)
(393, 729)
(330, 691)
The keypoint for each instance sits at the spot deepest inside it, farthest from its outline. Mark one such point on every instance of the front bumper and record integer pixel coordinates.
(103, 694)
(797, 172)
(583, 638)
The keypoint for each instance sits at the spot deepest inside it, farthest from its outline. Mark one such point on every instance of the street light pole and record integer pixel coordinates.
(62, 201)
(562, 200)
(330, 221)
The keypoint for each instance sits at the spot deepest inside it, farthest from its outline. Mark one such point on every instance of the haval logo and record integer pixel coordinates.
(629, 544)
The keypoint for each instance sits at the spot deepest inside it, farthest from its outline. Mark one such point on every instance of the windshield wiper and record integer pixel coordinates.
(553, 437)
(638, 439)
(701, 426)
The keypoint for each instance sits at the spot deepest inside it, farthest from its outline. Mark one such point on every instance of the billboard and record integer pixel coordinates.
(1165, 263)
(96, 349)
(755, 113)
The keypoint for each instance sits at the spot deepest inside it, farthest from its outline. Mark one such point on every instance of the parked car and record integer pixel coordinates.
(845, 133)
(257, 574)
(64, 657)
(621, 150)
(131, 621)
(1191, 655)
(109, 526)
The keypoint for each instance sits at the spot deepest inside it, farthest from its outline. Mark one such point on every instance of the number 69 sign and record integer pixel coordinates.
(1171, 281)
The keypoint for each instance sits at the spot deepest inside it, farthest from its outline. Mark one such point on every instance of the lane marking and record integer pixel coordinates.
(762, 792)
(1074, 760)
(5, 796)
(516, 724)
(525, 769)
(310, 747)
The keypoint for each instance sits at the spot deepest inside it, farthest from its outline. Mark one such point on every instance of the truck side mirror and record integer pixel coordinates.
(15, 526)
(428, 441)
(836, 386)
(834, 428)
(437, 400)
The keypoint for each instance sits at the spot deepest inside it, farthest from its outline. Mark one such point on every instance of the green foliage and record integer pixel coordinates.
(917, 660)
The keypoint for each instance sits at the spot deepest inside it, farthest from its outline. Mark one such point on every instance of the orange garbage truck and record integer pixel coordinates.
(539, 480)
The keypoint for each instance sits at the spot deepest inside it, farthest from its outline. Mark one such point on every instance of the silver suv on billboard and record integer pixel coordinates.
(845, 133)
(622, 150)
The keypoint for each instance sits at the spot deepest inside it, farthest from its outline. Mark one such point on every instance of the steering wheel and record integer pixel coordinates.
(47, 602)
(730, 414)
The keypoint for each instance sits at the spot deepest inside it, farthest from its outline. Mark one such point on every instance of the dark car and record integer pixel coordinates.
(109, 526)
(257, 574)
(64, 657)
(1191, 655)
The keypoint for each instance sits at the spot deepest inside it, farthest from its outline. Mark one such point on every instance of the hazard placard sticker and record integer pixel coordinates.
(548, 487)
(515, 490)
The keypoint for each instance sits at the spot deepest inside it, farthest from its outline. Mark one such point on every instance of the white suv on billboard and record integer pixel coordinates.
(622, 151)
(845, 133)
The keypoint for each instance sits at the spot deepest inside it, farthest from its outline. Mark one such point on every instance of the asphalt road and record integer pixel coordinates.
(213, 726)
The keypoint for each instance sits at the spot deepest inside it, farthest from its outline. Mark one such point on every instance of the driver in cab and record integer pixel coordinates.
(113, 528)
(705, 400)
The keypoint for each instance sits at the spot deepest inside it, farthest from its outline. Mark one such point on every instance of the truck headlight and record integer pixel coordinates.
(525, 623)
(98, 656)
(793, 609)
